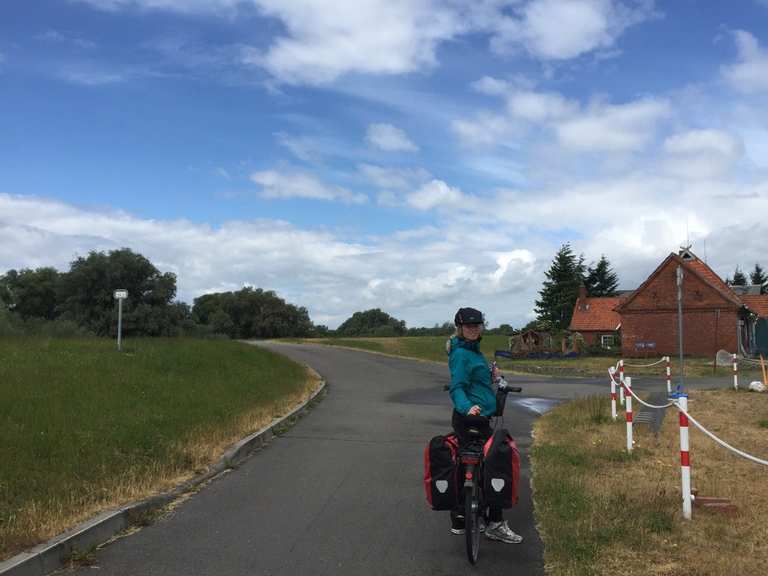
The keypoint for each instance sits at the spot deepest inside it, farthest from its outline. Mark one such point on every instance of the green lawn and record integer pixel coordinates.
(83, 426)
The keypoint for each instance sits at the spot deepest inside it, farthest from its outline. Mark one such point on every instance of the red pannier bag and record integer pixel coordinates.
(501, 470)
(440, 472)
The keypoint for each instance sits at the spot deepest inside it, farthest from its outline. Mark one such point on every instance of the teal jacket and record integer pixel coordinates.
(470, 378)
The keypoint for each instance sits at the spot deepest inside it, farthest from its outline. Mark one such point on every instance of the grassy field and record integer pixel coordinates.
(433, 348)
(601, 512)
(84, 428)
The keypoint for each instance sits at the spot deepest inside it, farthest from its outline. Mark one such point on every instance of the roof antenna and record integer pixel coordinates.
(687, 231)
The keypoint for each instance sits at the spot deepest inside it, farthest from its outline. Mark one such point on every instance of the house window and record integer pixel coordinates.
(607, 341)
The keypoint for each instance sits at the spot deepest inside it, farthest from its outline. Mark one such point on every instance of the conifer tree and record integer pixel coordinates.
(758, 277)
(601, 280)
(739, 279)
(560, 289)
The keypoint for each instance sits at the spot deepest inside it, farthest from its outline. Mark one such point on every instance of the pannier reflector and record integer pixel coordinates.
(497, 484)
(442, 486)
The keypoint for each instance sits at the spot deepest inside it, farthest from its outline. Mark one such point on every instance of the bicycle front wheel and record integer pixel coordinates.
(472, 521)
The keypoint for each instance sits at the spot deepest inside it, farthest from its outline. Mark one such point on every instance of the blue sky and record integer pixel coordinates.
(412, 155)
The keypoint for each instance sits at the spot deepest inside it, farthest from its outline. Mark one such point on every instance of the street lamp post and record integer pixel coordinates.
(120, 295)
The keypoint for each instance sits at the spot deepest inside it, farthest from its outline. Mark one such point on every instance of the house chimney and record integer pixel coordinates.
(582, 294)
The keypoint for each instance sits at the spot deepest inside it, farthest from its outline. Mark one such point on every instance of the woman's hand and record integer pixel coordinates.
(474, 411)
(495, 373)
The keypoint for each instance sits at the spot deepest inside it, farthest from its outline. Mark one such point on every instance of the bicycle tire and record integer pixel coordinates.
(472, 521)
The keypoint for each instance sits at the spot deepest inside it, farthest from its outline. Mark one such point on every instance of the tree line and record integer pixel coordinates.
(81, 301)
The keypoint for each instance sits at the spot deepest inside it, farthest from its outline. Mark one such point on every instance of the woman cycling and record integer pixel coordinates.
(472, 395)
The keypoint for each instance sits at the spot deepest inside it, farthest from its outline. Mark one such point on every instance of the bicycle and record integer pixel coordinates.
(471, 457)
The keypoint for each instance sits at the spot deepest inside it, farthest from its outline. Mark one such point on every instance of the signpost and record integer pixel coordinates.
(120, 295)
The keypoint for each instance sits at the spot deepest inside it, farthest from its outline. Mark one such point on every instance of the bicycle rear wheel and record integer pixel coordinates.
(472, 521)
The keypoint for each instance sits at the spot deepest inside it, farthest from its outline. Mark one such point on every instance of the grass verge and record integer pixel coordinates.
(604, 512)
(84, 428)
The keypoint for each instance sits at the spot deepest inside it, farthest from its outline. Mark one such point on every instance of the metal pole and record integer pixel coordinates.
(680, 324)
(119, 324)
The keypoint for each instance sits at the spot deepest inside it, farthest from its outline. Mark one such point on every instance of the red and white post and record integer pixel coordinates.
(685, 458)
(611, 370)
(621, 382)
(628, 407)
(735, 373)
(669, 377)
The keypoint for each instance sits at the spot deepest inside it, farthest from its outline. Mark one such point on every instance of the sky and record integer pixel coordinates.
(409, 155)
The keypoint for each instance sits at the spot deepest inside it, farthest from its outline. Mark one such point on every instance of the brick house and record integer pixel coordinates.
(596, 319)
(714, 316)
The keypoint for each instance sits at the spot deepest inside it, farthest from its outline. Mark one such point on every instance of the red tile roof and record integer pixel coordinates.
(596, 314)
(757, 303)
(710, 276)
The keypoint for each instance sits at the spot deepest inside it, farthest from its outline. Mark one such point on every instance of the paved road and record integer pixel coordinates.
(341, 493)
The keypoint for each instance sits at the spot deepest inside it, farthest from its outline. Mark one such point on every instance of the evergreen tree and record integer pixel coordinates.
(601, 280)
(560, 290)
(739, 279)
(759, 277)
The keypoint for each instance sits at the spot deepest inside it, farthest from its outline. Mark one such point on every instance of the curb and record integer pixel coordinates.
(52, 555)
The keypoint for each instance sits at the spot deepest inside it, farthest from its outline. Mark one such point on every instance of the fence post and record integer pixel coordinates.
(685, 458)
(621, 382)
(669, 378)
(735, 373)
(612, 370)
(628, 384)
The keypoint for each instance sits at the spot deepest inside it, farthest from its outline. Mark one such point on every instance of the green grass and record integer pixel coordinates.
(421, 347)
(82, 425)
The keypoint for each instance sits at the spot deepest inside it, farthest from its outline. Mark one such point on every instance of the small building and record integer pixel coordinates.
(530, 342)
(596, 319)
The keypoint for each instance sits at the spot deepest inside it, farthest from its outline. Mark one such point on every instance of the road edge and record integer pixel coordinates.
(53, 554)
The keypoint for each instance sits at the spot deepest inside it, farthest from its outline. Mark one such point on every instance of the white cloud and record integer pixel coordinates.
(565, 29)
(365, 36)
(540, 106)
(702, 153)
(750, 74)
(434, 194)
(485, 129)
(389, 138)
(393, 178)
(614, 128)
(299, 185)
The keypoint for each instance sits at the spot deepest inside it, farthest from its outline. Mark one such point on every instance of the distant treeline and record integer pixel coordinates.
(81, 302)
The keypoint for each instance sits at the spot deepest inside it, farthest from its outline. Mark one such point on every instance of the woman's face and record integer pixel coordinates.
(471, 331)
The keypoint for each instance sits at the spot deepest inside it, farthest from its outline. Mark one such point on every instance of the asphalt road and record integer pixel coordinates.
(341, 492)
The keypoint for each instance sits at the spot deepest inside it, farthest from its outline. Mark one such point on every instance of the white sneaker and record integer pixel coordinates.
(502, 532)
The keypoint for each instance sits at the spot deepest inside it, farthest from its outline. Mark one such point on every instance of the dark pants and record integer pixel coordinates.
(495, 513)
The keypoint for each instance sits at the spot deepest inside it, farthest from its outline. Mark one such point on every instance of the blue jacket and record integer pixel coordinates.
(470, 378)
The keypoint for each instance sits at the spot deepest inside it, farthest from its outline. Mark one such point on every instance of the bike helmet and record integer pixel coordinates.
(468, 316)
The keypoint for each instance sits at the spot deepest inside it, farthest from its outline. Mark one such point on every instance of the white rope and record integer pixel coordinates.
(721, 442)
(749, 361)
(635, 396)
(663, 359)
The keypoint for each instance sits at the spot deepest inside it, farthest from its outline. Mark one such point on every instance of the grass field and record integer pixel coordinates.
(433, 348)
(83, 427)
(602, 512)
